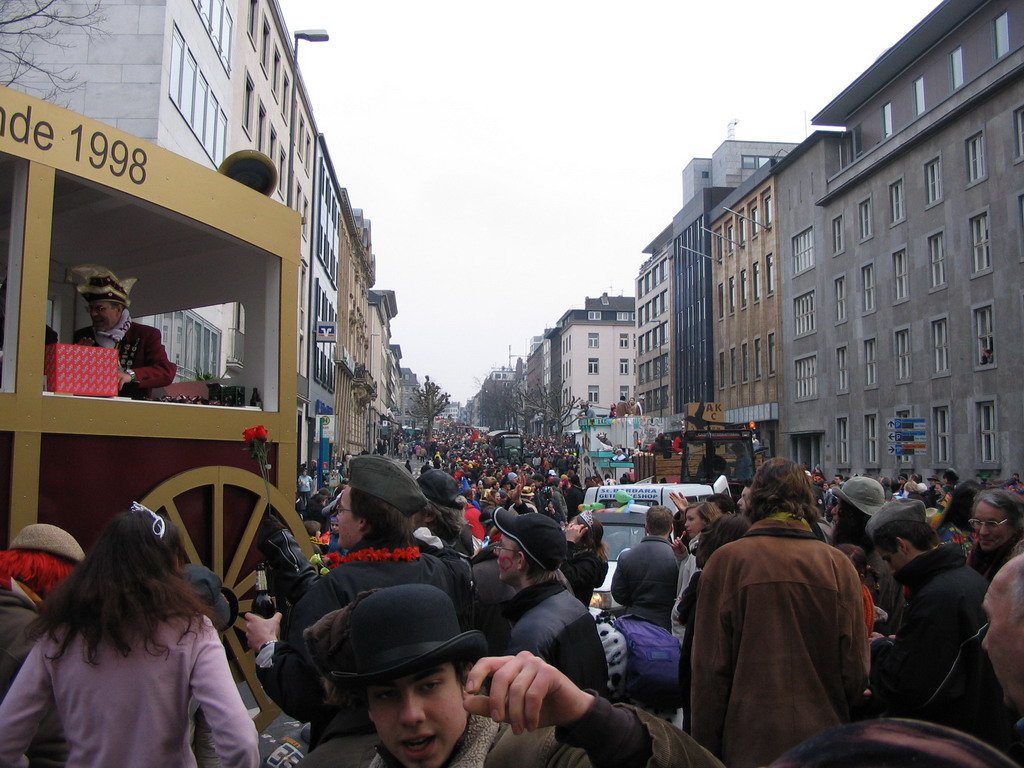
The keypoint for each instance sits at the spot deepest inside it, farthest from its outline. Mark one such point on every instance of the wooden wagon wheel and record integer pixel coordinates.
(229, 564)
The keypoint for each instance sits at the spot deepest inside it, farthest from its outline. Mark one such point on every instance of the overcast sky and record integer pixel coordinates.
(515, 158)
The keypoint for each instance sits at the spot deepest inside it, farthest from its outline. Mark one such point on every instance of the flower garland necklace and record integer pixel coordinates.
(332, 560)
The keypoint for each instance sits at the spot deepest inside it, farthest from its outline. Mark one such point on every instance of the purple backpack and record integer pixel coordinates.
(652, 662)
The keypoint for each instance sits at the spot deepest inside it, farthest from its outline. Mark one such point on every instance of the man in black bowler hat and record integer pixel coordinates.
(435, 702)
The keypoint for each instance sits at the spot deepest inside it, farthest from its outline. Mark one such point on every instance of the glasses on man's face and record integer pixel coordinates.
(504, 549)
(96, 309)
(977, 524)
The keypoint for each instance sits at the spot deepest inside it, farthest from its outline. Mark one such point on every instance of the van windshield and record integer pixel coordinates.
(619, 538)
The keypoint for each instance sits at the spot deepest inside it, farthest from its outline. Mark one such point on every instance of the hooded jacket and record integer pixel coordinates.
(935, 669)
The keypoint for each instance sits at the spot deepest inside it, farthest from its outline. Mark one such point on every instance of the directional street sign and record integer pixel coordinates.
(905, 423)
(908, 436)
(902, 449)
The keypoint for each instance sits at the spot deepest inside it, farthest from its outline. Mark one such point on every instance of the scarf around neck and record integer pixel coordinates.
(112, 338)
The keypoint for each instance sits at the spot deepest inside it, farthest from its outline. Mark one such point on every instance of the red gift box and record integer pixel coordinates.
(80, 370)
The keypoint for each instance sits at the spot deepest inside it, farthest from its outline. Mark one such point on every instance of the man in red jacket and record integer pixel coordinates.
(141, 353)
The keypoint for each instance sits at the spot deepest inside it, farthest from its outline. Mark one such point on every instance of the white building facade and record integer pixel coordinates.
(597, 351)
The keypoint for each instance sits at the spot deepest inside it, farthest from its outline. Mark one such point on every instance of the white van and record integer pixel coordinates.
(652, 494)
(623, 530)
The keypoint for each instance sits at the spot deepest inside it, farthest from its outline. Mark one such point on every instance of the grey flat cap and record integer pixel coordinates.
(897, 510)
(388, 481)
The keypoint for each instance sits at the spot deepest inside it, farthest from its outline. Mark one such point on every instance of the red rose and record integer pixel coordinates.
(255, 433)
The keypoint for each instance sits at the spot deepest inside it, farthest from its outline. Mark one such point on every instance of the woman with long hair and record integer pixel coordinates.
(695, 518)
(124, 645)
(586, 562)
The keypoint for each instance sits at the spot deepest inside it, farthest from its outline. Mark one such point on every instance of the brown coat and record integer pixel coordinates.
(780, 647)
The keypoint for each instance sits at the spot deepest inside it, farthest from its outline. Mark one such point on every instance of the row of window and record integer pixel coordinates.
(255, 117)
(852, 146)
(747, 286)
(983, 356)
(653, 338)
(621, 317)
(219, 26)
(192, 342)
(656, 399)
(977, 170)
(653, 369)
(734, 233)
(652, 279)
(594, 366)
(749, 364)
(981, 261)
(803, 246)
(593, 342)
(940, 437)
(191, 93)
(329, 226)
(653, 308)
(594, 393)
(265, 136)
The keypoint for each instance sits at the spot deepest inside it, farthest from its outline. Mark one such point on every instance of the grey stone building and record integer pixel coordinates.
(901, 258)
(675, 325)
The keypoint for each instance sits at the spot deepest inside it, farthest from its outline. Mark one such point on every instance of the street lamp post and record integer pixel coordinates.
(311, 36)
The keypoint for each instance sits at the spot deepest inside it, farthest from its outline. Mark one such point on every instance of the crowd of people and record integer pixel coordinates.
(830, 601)
(445, 620)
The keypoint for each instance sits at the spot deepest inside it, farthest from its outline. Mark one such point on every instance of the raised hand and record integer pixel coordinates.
(525, 691)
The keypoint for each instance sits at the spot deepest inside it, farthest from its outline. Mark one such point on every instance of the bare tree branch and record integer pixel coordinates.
(30, 28)
(547, 401)
(429, 402)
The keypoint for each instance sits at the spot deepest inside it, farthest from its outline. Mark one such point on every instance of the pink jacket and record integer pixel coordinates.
(131, 710)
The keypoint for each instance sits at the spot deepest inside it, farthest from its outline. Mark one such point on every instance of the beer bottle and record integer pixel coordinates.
(262, 603)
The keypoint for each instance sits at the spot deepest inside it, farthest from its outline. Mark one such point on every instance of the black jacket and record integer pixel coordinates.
(490, 594)
(293, 683)
(551, 623)
(935, 669)
(645, 580)
(574, 496)
(584, 570)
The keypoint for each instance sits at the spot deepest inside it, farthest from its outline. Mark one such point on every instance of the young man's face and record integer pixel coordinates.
(350, 532)
(897, 559)
(509, 556)
(419, 717)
